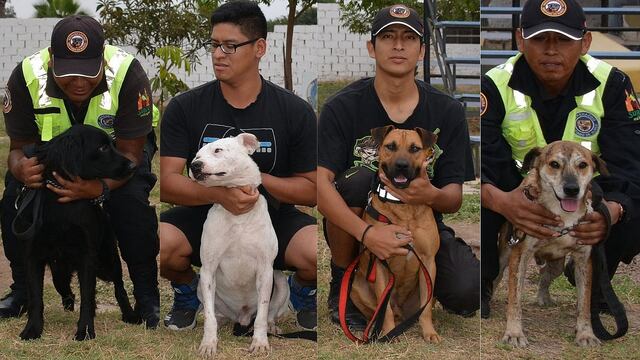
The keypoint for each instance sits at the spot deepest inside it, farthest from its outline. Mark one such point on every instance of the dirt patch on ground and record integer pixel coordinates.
(470, 233)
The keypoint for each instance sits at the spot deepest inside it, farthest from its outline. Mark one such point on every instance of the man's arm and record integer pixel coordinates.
(384, 241)
(299, 189)
(178, 189)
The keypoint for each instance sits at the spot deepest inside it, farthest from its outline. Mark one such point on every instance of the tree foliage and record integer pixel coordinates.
(309, 17)
(57, 8)
(358, 15)
(6, 10)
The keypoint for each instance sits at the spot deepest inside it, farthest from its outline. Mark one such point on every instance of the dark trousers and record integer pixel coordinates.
(457, 285)
(134, 222)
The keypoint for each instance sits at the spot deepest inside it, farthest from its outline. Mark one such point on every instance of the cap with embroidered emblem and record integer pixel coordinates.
(397, 14)
(561, 16)
(77, 46)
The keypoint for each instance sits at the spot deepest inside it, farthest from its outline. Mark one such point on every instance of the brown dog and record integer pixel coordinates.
(403, 154)
(559, 179)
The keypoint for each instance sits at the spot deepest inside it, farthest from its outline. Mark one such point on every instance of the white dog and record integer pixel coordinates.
(237, 252)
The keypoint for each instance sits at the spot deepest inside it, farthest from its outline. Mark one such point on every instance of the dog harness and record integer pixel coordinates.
(374, 326)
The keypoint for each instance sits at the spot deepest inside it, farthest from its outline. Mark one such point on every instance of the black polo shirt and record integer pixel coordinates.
(129, 122)
(618, 138)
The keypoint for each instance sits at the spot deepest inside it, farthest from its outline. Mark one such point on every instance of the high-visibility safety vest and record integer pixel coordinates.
(51, 114)
(521, 127)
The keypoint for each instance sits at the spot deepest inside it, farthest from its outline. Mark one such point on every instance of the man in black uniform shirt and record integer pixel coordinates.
(79, 79)
(240, 100)
(347, 161)
(572, 96)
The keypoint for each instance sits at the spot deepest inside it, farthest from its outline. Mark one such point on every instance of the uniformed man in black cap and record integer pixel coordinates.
(553, 90)
(80, 80)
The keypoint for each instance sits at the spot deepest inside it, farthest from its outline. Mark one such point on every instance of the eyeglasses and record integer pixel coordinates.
(227, 48)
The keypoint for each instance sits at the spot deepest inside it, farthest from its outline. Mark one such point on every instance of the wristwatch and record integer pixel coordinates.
(106, 192)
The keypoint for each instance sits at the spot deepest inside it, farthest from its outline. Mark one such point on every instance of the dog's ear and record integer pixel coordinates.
(600, 165)
(428, 138)
(530, 159)
(63, 154)
(378, 134)
(249, 141)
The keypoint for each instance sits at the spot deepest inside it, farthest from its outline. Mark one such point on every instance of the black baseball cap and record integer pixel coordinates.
(562, 16)
(77, 46)
(397, 14)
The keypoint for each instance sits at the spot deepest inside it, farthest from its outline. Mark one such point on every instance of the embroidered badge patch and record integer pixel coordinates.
(144, 103)
(6, 101)
(399, 11)
(586, 124)
(633, 107)
(553, 8)
(77, 41)
(483, 104)
(106, 121)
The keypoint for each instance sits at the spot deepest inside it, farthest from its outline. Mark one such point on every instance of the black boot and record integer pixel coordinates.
(145, 290)
(486, 292)
(353, 316)
(14, 304)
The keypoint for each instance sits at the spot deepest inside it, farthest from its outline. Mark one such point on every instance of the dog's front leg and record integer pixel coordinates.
(264, 282)
(513, 334)
(382, 278)
(207, 290)
(583, 273)
(87, 281)
(35, 278)
(551, 270)
(429, 333)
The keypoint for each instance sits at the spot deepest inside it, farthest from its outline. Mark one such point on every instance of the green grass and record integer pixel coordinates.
(469, 211)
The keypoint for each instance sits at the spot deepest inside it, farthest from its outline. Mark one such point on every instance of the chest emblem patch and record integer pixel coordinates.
(586, 124)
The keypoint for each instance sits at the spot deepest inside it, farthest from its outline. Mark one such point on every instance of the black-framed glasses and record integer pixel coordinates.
(227, 48)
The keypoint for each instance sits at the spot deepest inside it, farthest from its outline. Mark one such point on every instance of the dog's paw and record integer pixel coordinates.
(31, 332)
(587, 339)
(85, 333)
(259, 345)
(68, 302)
(515, 339)
(131, 317)
(431, 337)
(208, 349)
(273, 329)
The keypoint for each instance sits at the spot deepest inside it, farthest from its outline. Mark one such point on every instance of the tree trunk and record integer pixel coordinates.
(3, 4)
(288, 79)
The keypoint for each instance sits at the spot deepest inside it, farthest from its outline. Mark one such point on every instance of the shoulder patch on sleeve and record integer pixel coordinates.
(6, 101)
(631, 102)
(483, 104)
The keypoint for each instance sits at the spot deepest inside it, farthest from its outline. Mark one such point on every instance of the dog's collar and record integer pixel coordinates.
(383, 194)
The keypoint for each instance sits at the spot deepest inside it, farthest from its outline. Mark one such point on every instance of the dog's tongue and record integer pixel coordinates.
(400, 179)
(569, 205)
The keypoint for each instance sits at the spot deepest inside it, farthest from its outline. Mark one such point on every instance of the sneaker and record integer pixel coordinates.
(355, 319)
(12, 305)
(185, 307)
(303, 301)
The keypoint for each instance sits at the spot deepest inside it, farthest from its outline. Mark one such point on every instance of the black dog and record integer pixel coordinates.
(74, 236)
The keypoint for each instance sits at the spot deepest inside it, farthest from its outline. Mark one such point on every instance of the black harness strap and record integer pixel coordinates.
(28, 197)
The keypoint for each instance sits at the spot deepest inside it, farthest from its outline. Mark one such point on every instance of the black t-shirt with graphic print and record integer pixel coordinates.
(344, 130)
(284, 124)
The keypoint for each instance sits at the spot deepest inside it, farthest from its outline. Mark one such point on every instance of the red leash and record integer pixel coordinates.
(377, 319)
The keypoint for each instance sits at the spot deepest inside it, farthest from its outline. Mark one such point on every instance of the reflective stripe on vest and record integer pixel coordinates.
(51, 114)
(521, 127)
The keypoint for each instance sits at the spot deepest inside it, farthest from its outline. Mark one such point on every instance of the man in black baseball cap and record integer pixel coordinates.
(77, 47)
(347, 164)
(80, 80)
(553, 90)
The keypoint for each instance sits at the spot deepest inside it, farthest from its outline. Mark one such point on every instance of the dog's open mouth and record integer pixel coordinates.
(400, 179)
(568, 204)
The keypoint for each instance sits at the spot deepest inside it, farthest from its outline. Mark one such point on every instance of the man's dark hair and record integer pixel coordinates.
(246, 14)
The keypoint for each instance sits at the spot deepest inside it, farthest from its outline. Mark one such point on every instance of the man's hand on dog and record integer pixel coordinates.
(419, 192)
(593, 226)
(29, 172)
(386, 241)
(527, 215)
(239, 200)
(75, 189)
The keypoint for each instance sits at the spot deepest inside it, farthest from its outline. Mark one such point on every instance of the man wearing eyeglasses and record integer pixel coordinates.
(239, 100)
(552, 90)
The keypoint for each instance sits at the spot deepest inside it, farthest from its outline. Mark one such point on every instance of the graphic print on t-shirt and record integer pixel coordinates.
(265, 156)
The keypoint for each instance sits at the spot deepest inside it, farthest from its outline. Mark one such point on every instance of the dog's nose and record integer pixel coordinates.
(402, 164)
(196, 167)
(571, 189)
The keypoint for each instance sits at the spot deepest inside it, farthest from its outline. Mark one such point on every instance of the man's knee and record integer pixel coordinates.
(458, 276)
(302, 250)
(174, 249)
